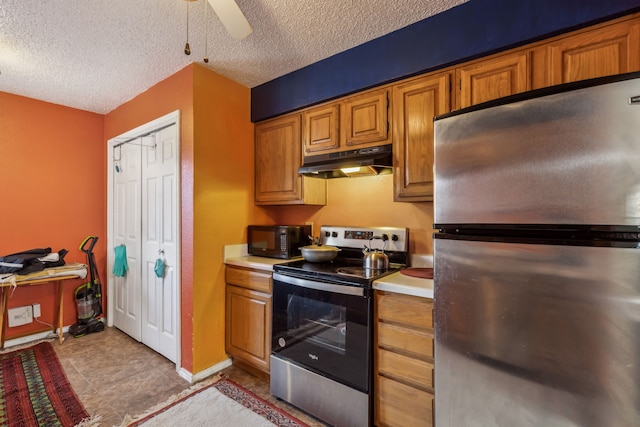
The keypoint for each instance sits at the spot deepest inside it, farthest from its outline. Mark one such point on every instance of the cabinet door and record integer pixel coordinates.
(364, 120)
(320, 128)
(493, 78)
(415, 103)
(278, 158)
(600, 52)
(248, 326)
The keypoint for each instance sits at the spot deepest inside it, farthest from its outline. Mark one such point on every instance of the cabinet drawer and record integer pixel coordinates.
(400, 405)
(250, 279)
(405, 309)
(404, 368)
(405, 340)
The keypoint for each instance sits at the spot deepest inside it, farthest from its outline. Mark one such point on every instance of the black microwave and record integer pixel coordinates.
(277, 241)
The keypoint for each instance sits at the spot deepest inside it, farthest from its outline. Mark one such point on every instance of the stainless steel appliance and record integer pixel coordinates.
(358, 162)
(322, 342)
(277, 241)
(537, 266)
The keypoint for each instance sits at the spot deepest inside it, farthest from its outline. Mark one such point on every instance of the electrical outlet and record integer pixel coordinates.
(20, 315)
(36, 311)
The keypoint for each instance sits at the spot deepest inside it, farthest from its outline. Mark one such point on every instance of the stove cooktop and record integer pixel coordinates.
(345, 271)
(347, 268)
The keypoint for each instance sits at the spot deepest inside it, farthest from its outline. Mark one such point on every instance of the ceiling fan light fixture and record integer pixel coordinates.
(232, 18)
(187, 48)
(206, 34)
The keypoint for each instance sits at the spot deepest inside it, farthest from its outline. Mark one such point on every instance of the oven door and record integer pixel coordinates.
(324, 327)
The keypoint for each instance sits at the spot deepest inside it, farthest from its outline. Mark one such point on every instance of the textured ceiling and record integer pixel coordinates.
(97, 54)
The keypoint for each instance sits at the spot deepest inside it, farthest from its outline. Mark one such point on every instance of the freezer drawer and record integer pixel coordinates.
(532, 334)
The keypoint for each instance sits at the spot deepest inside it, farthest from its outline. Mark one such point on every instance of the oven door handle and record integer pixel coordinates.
(320, 286)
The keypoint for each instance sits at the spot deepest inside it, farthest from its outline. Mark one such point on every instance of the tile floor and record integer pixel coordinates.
(114, 375)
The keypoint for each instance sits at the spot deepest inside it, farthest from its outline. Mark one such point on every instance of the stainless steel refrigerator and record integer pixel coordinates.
(537, 259)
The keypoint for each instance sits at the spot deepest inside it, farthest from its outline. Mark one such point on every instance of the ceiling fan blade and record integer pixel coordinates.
(232, 18)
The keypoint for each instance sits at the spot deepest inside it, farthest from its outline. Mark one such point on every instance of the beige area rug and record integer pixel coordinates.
(219, 402)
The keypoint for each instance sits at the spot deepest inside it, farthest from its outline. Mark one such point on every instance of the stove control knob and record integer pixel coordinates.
(327, 234)
(395, 237)
(334, 234)
(385, 237)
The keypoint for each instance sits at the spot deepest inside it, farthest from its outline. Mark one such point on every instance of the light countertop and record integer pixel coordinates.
(256, 262)
(408, 285)
(396, 282)
(238, 255)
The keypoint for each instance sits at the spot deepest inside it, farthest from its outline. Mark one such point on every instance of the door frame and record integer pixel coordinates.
(172, 118)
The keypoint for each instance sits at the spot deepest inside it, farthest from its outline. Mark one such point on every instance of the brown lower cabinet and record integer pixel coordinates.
(403, 360)
(248, 318)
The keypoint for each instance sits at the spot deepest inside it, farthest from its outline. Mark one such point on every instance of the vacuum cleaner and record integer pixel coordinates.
(88, 297)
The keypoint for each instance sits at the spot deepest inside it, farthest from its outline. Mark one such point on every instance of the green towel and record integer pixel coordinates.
(120, 265)
(159, 268)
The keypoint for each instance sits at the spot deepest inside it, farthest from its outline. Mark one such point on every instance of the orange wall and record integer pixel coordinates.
(364, 201)
(173, 93)
(66, 149)
(223, 201)
(216, 192)
(52, 163)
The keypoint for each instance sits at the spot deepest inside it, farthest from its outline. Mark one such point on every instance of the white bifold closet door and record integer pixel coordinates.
(145, 221)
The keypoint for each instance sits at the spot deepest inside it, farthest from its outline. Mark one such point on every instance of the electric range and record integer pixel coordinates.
(322, 330)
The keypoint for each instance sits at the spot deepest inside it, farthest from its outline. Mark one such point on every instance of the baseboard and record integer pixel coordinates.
(33, 337)
(199, 376)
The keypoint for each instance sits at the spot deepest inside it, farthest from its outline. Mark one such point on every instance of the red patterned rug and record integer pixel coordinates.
(222, 403)
(34, 391)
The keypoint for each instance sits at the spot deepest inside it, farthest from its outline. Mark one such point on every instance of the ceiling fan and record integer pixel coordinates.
(232, 18)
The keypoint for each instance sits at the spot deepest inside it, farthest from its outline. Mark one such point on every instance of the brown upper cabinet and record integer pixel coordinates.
(362, 120)
(350, 123)
(604, 50)
(321, 128)
(493, 78)
(277, 160)
(415, 103)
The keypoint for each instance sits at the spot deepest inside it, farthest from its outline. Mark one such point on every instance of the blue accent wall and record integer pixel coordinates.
(470, 30)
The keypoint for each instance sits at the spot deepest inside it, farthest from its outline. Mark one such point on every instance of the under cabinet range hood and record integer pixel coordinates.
(360, 162)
